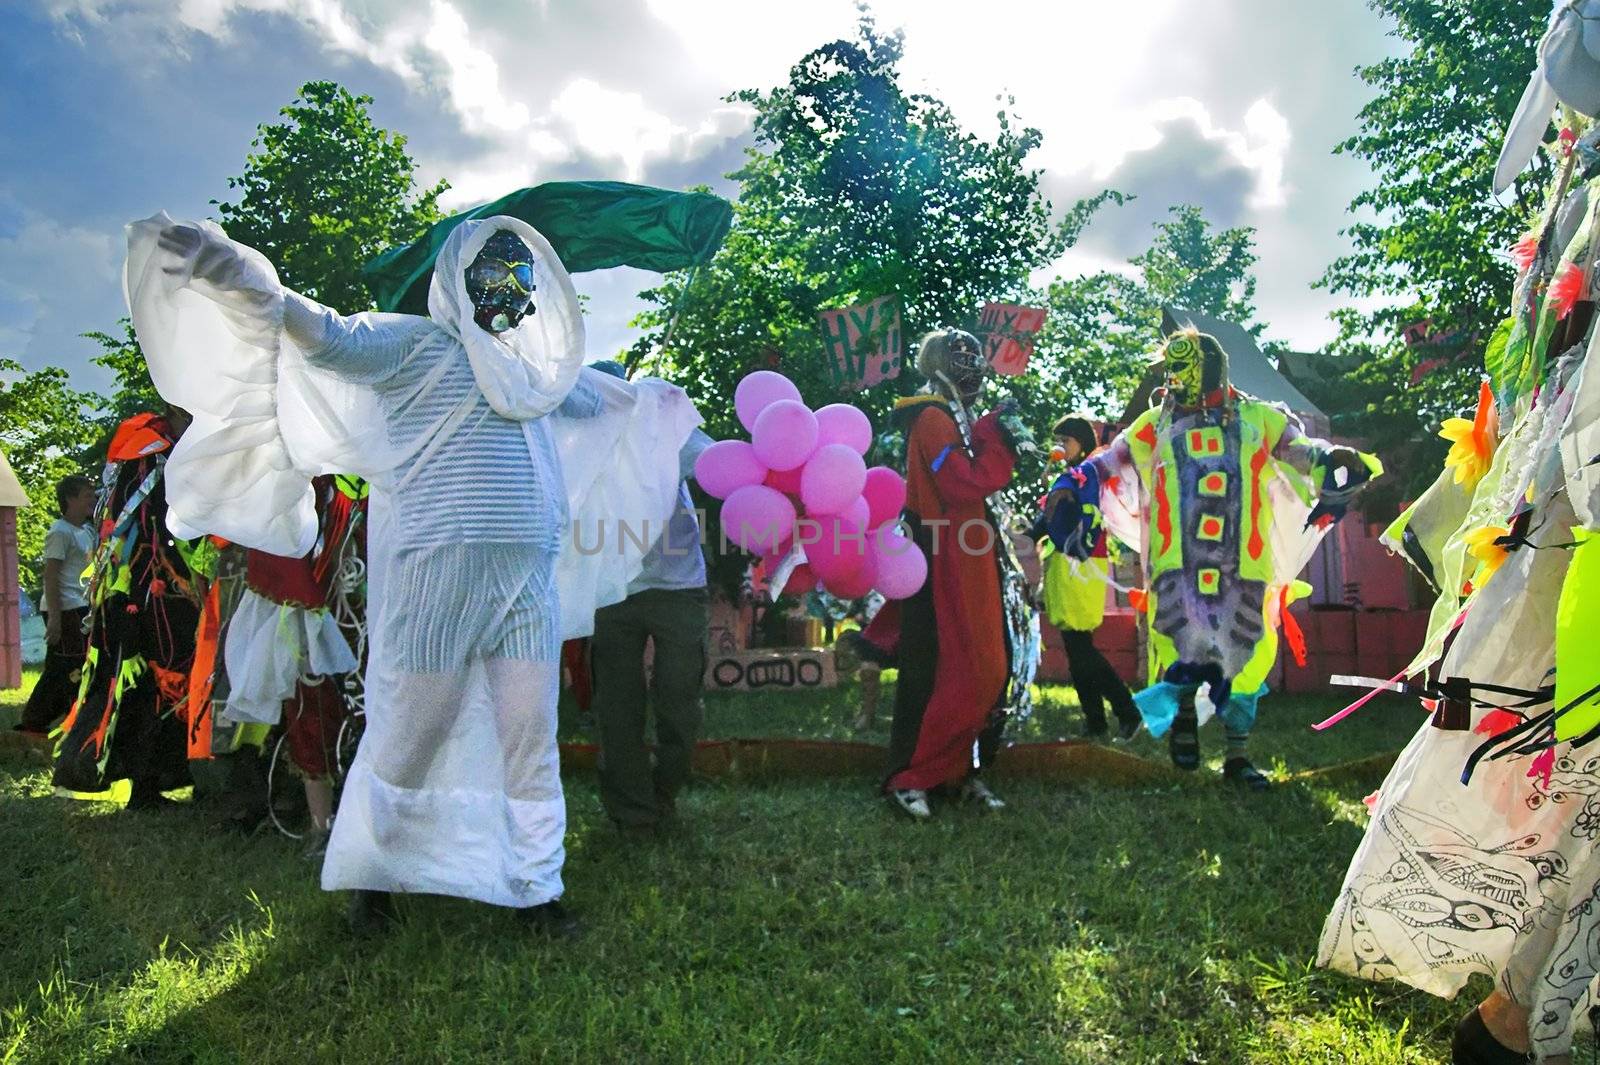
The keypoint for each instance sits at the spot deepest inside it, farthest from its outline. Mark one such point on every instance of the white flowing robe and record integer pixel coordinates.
(486, 454)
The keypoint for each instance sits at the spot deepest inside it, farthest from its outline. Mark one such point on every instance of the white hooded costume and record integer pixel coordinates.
(488, 456)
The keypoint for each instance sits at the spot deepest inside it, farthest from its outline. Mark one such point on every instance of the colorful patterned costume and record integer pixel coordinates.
(1481, 853)
(285, 654)
(1215, 489)
(144, 610)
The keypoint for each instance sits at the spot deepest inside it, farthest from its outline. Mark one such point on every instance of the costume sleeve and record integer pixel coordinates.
(366, 348)
(689, 453)
(961, 478)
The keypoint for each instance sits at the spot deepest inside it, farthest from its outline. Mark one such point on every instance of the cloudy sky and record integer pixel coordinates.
(113, 109)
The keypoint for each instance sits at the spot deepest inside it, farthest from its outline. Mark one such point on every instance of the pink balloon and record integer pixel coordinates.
(785, 435)
(757, 518)
(840, 423)
(727, 465)
(759, 390)
(853, 585)
(885, 493)
(786, 481)
(833, 479)
(835, 547)
(899, 563)
(857, 513)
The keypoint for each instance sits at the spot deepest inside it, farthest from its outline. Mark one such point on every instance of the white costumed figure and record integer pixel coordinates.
(485, 441)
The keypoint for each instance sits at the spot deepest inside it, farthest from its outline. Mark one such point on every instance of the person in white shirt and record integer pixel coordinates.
(67, 550)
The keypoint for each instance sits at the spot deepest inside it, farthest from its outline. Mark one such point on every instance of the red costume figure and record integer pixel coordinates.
(953, 654)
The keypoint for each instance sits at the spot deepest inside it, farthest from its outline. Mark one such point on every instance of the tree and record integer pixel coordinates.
(1431, 236)
(854, 189)
(47, 431)
(324, 192)
(1102, 327)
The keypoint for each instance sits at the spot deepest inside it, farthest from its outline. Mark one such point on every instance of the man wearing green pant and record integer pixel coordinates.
(667, 605)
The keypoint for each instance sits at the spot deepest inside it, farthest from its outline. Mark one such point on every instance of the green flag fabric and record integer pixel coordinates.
(593, 225)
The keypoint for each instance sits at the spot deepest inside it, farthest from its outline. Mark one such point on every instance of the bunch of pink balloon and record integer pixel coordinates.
(803, 478)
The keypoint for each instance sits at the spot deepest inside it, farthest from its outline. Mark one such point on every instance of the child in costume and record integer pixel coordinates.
(1214, 489)
(143, 614)
(482, 437)
(286, 655)
(67, 550)
(955, 647)
(1074, 589)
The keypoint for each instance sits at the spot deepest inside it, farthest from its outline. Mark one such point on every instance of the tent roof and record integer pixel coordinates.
(11, 493)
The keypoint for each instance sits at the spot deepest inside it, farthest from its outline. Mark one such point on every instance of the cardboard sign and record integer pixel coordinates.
(773, 669)
(863, 343)
(1008, 330)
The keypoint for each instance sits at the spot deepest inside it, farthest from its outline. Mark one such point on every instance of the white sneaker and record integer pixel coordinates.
(913, 802)
(975, 790)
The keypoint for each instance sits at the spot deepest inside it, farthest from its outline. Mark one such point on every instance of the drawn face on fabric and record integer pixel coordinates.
(500, 282)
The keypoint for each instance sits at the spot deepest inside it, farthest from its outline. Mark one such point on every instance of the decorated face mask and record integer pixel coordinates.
(964, 362)
(500, 283)
(1196, 369)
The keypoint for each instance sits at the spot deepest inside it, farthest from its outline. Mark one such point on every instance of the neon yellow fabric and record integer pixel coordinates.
(1074, 597)
(1577, 621)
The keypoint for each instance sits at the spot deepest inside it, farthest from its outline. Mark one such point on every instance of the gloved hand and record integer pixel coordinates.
(1343, 474)
(192, 253)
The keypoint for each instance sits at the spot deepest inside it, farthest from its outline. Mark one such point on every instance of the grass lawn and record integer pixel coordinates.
(785, 922)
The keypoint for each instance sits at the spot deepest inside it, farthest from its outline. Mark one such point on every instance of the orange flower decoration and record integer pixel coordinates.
(1481, 546)
(1472, 443)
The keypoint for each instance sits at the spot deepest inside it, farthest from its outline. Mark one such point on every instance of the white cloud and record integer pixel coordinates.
(473, 80)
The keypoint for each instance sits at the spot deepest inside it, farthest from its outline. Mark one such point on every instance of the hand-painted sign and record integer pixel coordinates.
(863, 343)
(1008, 330)
(787, 669)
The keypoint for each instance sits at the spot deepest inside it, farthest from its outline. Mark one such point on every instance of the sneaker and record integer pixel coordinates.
(1183, 742)
(552, 920)
(1127, 730)
(370, 912)
(976, 791)
(1239, 771)
(913, 802)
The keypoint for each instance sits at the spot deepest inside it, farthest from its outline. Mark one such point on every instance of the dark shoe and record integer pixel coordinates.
(1096, 735)
(145, 797)
(370, 912)
(244, 820)
(1183, 742)
(552, 920)
(316, 845)
(1473, 1044)
(1239, 771)
(638, 831)
(1127, 730)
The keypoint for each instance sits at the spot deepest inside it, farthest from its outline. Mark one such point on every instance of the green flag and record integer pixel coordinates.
(593, 225)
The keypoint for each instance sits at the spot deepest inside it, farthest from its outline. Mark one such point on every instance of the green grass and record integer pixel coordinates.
(789, 922)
